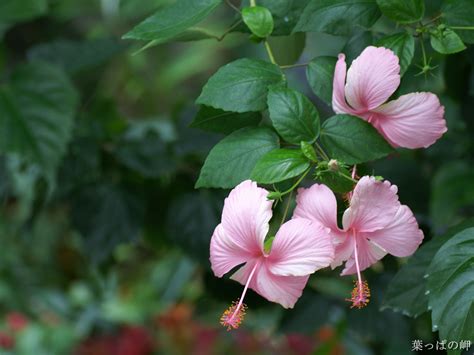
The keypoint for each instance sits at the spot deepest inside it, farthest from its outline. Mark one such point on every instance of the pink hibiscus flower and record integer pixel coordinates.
(412, 121)
(300, 247)
(374, 224)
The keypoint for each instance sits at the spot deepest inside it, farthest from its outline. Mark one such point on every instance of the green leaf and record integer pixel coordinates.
(76, 56)
(172, 20)
(16, 10)
(308, 151)
(460, 13)
(232, 160)
(446, 41)
(452, 191)
(279, 165)
(293, 115)
(337, 17)
(259, 20)
(215, 120)
(406, 292)
(451, 288)
(36, 114)
(356, 44)
(241, 86)
(113, 216)
(403, 45)
(403, 11)
(352, 140)
(336, 177)
(320, 74)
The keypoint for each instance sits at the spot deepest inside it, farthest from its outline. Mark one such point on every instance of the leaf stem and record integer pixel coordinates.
(235, 8)
(229, 30)
(294, 66)
(321, 151)
(253, 3)
(295, 185)
(270, 52)
(287, 207)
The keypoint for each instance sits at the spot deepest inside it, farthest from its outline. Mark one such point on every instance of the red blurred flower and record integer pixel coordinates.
(6, 341)
(16, 321)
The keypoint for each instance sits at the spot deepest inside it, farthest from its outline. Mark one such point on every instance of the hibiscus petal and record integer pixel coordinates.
(367, 253)
(373, 76)
(343, 250)
(402, 236)
(244, 225)
(373, 205)
(412, 121)
(317, 203)
(300, 247)
(284, 290)
(339, 103)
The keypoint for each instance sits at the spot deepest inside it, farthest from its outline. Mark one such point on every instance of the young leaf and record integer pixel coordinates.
(460, 13)
(241, 86)
(172, 20)
(352, 140)
(218, 121)
(279, 165)
(232, 160)
(403, 45)
(293, 115)
(451, 286)
(320, 75)
(259, 20)
(337, 17)
(403, 11)
(446, 41)
(308, 151)
(36, 114)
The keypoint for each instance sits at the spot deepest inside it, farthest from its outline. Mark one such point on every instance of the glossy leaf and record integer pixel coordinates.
(259, 20)
(446, 41)
(215, 120)
(403, 45)
(320, 75)
(337, 17)
(451, 286)
(172, 20)
(352, 140)
(241, 86)
(36, 114)
(293, 115)
(232, 160)
(403, 11)
(279, 165)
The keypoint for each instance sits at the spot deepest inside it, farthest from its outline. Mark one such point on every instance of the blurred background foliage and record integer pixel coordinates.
(105, 241)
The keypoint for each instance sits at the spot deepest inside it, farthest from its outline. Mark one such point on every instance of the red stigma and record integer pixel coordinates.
(233, 316)
(360, 295)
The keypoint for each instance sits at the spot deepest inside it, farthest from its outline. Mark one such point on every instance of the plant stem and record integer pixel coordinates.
(293, 66)
(270, 52)
(296, 183)
(287, 207)
(221, 37)
(235, 8)
(321, 151)
(253, 3)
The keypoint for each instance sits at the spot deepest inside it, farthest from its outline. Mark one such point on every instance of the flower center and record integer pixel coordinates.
(234, 315)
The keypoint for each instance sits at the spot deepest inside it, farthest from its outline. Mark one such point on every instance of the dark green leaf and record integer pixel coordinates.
(112, 216)
(215, 120)
(320, 74)
(356, 44)
(232, 160)
(36, 114)
(452, 191)
(259, 20)
(451, 286)
(406, 292)
(76, 56)
(403, 45)
(293, 115)
(337, 17)
(141, 149)
(460, 13)
(241, 86)
(339, 181)
(279, 165)
(172, 20)
(446, 41)
(352, 140)
(16, 10)
(403, 11)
